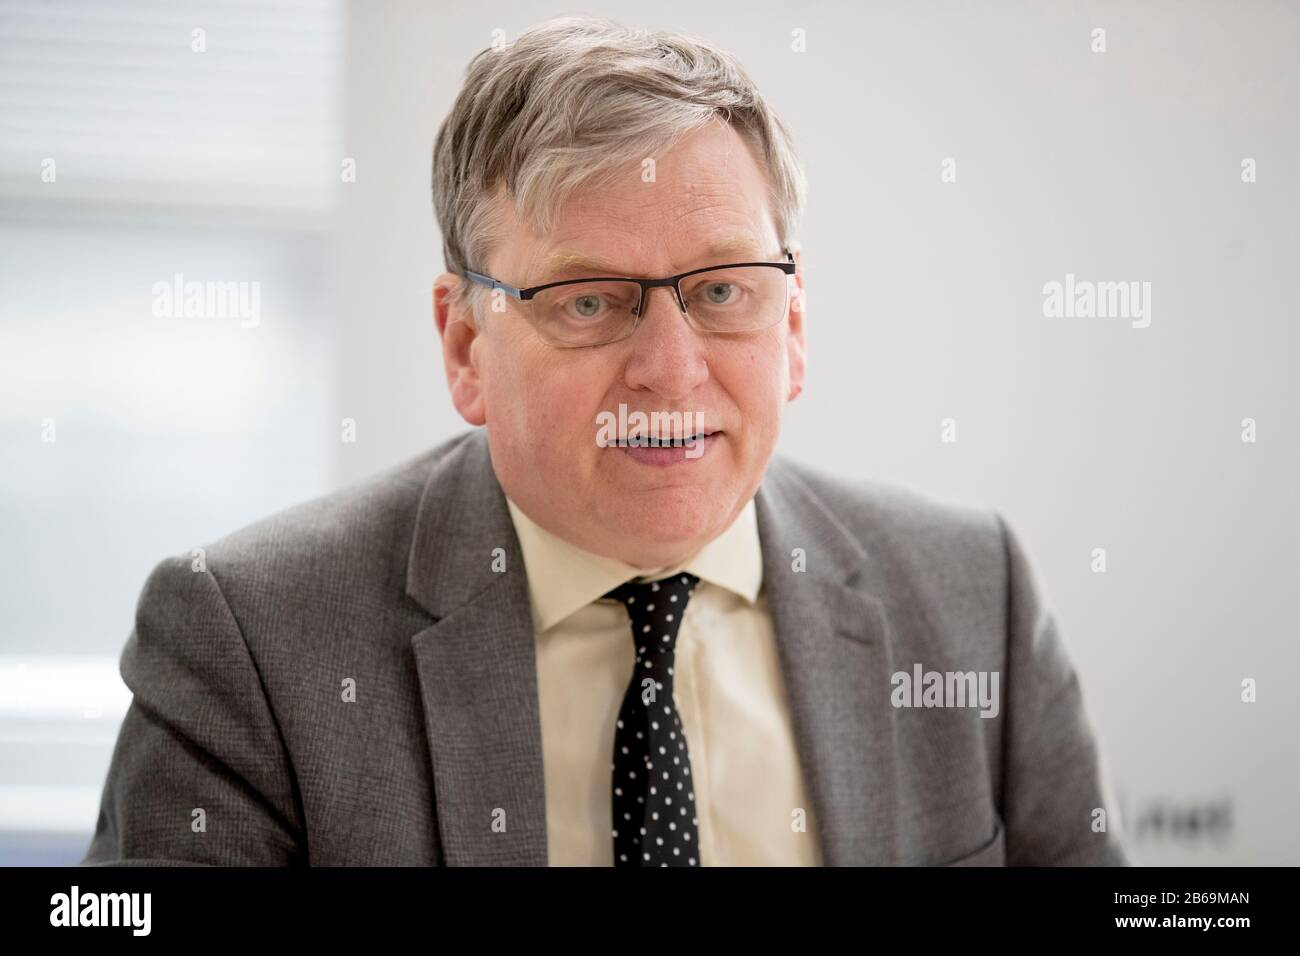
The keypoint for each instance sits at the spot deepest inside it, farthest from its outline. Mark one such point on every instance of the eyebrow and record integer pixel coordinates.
(735, 248)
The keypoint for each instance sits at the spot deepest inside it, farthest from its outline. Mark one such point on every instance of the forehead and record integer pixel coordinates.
(692, 251)
(707, 202)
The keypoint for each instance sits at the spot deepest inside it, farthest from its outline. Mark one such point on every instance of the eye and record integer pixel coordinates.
(718, 292)
(587, 305)
(595, 301)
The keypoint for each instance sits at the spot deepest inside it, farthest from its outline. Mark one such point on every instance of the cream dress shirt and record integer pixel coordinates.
(750, 794)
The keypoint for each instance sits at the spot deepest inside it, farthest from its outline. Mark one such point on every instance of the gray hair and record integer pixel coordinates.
(570, 103)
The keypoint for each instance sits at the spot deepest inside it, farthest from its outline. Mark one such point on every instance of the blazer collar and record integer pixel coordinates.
(478, 677)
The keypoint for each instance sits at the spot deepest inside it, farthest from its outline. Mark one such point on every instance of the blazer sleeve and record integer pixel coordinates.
(199, 773)
(1054, 779)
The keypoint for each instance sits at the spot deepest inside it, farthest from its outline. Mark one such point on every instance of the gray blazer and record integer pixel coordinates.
(242, 747)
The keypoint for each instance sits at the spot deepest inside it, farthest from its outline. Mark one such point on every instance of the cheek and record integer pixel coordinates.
(757, 376)
(546, 399)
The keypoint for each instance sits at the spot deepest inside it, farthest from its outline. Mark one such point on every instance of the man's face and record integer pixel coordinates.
(542, 405)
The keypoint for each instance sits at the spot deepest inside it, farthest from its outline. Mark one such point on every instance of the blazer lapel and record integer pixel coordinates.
(477, 667)
(833, 641)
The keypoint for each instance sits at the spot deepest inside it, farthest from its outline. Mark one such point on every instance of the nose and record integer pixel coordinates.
(665, 355)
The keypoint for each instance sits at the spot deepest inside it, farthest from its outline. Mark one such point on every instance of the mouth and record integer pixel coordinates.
(648, 450)
(654, 441)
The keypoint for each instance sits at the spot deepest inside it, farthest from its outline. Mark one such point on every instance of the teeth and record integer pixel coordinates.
(650, 441)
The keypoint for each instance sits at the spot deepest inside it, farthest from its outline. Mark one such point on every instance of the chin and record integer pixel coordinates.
(669, 516)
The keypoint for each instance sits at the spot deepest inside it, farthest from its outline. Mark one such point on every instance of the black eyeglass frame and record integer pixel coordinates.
(789, 267)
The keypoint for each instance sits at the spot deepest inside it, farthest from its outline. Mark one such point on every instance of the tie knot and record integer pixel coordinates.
(655, 608)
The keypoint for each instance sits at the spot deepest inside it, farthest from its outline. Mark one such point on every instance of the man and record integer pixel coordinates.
(434, 667)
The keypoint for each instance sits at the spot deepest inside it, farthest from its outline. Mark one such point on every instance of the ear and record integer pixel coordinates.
(459, 336)
(796, 346)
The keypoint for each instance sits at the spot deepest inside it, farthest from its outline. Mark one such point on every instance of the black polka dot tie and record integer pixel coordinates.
(654, 796)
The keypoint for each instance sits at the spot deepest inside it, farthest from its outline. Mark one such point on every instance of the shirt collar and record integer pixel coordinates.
(563, 577)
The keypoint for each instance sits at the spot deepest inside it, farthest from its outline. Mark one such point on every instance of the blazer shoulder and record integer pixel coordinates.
(914, 541)
(365, 524)
(885, 516)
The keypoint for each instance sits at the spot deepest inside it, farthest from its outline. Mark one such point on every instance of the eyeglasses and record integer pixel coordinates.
(582, 313)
